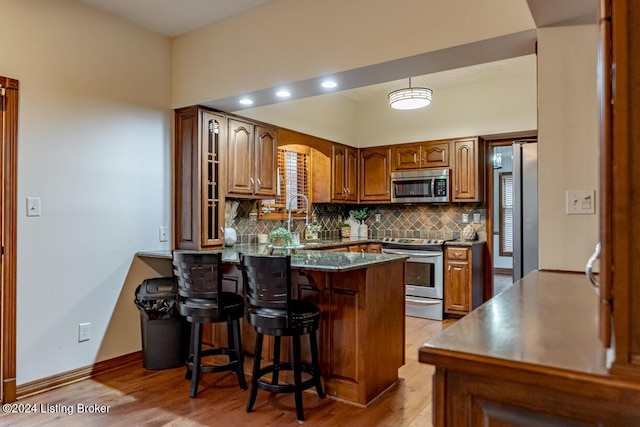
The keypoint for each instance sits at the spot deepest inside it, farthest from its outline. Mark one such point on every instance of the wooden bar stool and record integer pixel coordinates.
(272, 311)
(199, 277)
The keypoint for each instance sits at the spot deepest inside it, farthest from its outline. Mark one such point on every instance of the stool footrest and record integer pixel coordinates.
(208, 368)
(285, 388)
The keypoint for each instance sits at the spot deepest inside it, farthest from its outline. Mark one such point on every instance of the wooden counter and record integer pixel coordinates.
(529, 356)
(361, 299)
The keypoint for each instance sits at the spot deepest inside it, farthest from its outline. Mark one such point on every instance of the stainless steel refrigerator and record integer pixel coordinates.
(525, 208)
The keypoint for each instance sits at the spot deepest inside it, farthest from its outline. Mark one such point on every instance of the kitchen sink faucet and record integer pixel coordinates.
(306, 212)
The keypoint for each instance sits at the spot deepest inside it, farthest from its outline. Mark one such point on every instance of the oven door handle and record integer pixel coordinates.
(412, 255)
(422, 301)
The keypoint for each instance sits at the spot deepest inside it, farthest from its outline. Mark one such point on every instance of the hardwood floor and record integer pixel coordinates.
(139, 397)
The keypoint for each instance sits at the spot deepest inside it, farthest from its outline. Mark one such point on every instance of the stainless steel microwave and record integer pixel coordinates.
(420, 186)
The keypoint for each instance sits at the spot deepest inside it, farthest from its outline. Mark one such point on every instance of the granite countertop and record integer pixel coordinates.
(303, 258)
(546, 319)
(463, 242)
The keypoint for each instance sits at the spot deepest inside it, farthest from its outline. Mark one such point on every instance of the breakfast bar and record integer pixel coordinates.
(361, 299)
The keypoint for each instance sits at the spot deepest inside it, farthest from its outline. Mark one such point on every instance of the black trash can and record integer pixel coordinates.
(164, 331)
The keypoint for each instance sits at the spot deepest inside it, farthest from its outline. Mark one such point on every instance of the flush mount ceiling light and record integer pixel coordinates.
(283, 93)
(329, 84)
(246, 101)
(410, 98)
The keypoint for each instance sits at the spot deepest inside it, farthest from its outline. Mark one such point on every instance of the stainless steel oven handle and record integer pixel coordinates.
(417, 301)
(412, 255)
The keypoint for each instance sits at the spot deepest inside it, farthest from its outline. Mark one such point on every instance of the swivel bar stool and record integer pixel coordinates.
(199, 277)
(272, 311)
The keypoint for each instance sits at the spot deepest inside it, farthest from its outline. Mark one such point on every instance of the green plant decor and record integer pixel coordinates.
(315, 228)
(361, 214)
(282, 236)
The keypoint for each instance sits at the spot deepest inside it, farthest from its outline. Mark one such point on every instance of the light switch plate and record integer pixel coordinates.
(33, 206)
(581, 202)
(465, 218)
(476, 218)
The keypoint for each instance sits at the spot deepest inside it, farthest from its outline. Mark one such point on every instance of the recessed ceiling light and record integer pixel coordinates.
(329, 84)
(246, 101)
(283, 93)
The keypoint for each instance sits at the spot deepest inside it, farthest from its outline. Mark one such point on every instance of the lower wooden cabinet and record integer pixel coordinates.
(463, 290)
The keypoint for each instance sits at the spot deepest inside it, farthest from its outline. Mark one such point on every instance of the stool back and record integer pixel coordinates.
(199, 274)
(267, 283)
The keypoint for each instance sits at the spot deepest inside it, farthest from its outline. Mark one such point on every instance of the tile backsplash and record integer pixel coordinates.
(427, 221)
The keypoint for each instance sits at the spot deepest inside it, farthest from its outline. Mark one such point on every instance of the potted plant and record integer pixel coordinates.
(361, 215)
(345, 229)
(280, 237)
(315, 229)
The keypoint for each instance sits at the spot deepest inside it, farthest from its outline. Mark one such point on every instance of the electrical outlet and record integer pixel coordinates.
(84, 332)
(164, 234)
(377, 216)
(476, 218)
(465, 218)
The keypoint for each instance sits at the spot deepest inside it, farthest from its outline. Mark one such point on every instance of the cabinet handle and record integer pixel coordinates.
(449, 270)
(259, 182)
(251, 181)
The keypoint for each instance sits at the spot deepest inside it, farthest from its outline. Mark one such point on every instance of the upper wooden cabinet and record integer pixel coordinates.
(433, 154)
(344, 167)
(198, 213)
(467, 158)
(252, 161)
(375, 174)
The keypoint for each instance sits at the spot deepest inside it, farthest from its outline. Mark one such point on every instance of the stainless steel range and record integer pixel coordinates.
(424, 278)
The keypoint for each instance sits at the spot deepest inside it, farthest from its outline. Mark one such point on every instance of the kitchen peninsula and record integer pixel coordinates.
(361, 298)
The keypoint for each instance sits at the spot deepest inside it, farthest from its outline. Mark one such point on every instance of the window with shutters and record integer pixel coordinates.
(506, 214)
(292, 178)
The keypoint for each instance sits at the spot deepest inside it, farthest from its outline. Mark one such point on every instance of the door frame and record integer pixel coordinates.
(8, 235)
(490, 142)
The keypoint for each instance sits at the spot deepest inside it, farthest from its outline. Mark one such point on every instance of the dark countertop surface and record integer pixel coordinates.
(303, 258)
(464, 242)
(546, 319)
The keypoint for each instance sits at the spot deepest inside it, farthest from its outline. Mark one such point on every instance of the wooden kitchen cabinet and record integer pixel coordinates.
(467, 158)
(344, 168)
(432, 154)
(198, 208)
(375, 174)
(463, 289)
(252, 159)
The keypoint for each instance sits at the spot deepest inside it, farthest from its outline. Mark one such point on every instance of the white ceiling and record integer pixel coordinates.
(489, 71)
(175, 17)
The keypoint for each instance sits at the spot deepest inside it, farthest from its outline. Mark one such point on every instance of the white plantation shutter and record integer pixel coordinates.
(506, 214)
(292, 178)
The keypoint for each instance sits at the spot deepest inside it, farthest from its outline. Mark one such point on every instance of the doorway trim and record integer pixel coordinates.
(8, 234)
(490, 142)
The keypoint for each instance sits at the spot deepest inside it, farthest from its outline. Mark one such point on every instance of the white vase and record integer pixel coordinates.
(363, 230)
(230, 236)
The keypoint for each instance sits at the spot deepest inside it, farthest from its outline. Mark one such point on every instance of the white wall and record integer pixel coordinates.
(293, 40)
(332, 117)
(94, 145)
(568, 143)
